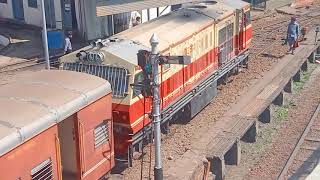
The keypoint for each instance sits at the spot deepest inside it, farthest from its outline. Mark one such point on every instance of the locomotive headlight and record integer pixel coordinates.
(124, 117)
(82, 55)
(96, 57)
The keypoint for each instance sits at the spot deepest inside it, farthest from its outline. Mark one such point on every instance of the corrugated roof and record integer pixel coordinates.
(105, 8)
(238, 4)
(35, 102)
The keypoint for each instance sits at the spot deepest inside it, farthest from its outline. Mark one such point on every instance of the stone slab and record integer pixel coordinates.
(190, 167)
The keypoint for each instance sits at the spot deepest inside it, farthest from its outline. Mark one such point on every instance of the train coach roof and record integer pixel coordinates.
(177, 25)
(37, 101)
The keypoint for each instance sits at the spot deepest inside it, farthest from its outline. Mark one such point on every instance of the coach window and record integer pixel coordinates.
(165, 67)
(206, 41)
(138, 79)
(247, 17)
(4, 1)
(211, 39)
(32, 3)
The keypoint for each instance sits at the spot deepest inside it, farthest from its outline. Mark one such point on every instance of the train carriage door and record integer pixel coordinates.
(226, 42)
(95, 140)
(239, 26)
(242, 31)
(222, 46)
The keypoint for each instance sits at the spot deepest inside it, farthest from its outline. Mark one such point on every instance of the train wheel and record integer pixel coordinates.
(139, 146)
(165, 128)
(246, 63)
(236, 70)
(186, 113)
(130, 155)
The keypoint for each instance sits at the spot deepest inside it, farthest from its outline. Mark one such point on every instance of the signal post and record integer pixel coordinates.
(149, 62)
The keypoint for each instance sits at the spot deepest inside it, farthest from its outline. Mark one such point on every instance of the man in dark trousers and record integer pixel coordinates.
(67, 43)
(292, 34)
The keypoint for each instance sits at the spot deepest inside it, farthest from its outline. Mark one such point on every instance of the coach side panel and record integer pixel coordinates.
(36, 157)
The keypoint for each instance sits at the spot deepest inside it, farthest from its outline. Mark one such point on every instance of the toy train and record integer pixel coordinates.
(56, 125)
(217, 36)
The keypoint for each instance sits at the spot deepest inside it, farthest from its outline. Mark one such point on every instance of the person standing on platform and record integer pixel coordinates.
(67, 43)
(292, 34)
(135, 19)
(137, 22)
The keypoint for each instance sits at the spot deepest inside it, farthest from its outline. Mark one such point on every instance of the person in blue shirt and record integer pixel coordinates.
(293, 34)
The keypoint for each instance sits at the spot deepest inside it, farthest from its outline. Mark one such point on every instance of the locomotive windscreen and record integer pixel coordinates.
(118, 77)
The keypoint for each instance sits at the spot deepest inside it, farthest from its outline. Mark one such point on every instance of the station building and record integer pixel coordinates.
(91, 19)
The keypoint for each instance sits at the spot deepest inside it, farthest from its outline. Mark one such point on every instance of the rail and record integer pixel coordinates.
(276, 28)
(28, 64)
(296, 149)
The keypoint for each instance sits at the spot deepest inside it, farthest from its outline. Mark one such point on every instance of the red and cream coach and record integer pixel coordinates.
(56, 125)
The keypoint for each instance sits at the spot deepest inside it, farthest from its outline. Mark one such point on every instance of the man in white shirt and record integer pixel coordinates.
(67, 43)
(135, 19)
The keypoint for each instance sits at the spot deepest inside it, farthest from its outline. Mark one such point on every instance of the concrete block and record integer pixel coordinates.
(251, 135)
(266, 115)
(233, 156)
(279, 100)
(190, 166)
(304, 66)
(218, 168)
(297, 76)
(312, 57)
(288, 87)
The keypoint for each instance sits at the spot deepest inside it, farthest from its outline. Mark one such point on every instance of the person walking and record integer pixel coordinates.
(67, 43)
(292, 34)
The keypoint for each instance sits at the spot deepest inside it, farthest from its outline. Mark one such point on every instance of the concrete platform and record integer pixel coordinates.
(190, 167)
(315, 174)
(221, 145)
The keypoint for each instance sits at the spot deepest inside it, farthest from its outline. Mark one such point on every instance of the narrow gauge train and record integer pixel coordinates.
(56, 125)
(216, 34)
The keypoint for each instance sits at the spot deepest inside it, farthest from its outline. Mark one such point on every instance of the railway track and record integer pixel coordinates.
(20, 66)
(27, 64)
(306, 153)
(276, 31)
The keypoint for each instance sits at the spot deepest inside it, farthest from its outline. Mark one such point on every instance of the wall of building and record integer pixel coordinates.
(89, 26)
(32, 16)
(6, 10)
